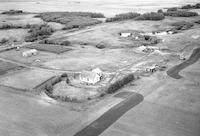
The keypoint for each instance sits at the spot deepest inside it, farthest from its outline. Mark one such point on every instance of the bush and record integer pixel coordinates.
(172, 9)
(151, 16)
(124, 16)
(12, 12)
(100, 46)
(196, 6)
(47, 41)
(182, 25)
(120, 83)
(187, 6)
(65, 43)
(14, 26)
(49, 88)
(72, 19)
(28, 26)
(4, 40)
(62, 14)
(180, 14)
(197, 21)
(38, 32)
(10, 26)
(56, 80)
(64, 75)
(160, 11)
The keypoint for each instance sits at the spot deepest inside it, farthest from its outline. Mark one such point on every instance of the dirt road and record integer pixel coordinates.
(174, 71)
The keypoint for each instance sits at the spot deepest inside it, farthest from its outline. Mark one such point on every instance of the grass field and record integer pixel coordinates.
(49, 48)
(13, 34)
(27, 79)
(6, 66)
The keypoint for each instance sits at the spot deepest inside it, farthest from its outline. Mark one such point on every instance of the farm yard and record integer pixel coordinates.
(62, 72)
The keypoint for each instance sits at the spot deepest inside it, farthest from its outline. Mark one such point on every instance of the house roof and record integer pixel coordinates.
(30, 51)
(97, 70)
(125, 34)
(89, 75)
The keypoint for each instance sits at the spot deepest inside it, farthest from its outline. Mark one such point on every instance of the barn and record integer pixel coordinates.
(29, 53)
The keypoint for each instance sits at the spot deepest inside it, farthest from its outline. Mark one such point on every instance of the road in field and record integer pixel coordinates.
(112, 115)
(174, 71)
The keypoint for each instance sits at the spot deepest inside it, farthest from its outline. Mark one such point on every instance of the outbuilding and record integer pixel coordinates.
(125, 34)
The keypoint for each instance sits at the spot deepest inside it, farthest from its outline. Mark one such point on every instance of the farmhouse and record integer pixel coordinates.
(29, 53)
(90, 77)
(97, 71)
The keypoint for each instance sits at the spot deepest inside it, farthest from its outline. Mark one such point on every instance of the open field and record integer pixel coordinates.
(20, 19)
(23, 78)
(49, 48)
(17, 56)
(6, 67)
(87, 63)
(14, 34)
(86, 59)
(35, 115)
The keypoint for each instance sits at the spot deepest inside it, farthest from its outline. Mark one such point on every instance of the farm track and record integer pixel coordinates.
(174, 71)
(111, 116)
(81, 31)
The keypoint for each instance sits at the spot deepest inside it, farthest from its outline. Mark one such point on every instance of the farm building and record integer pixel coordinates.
(90, 77)
(125, 34)
(152, 69)
(97, 71)
(29, 53)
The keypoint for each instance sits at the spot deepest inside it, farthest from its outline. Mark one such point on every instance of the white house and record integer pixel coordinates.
(29, 53)
(90, 77)
(125, 34)
(97, 71)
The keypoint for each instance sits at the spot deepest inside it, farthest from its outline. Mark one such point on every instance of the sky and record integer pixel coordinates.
(107, 7)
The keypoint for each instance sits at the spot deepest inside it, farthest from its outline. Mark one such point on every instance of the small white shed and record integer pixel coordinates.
(125, 34)
(29, 53)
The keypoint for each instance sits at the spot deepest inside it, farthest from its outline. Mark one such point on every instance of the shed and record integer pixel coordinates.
(125, 34)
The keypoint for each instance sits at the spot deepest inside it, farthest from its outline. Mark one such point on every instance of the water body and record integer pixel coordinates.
(108, 7)
(174, 71)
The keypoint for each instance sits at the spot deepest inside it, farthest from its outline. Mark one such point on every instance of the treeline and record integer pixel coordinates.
(136, 16)
(72, 19)
(38, 32)
(14, 26)
(159, 15)
(188, 6)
